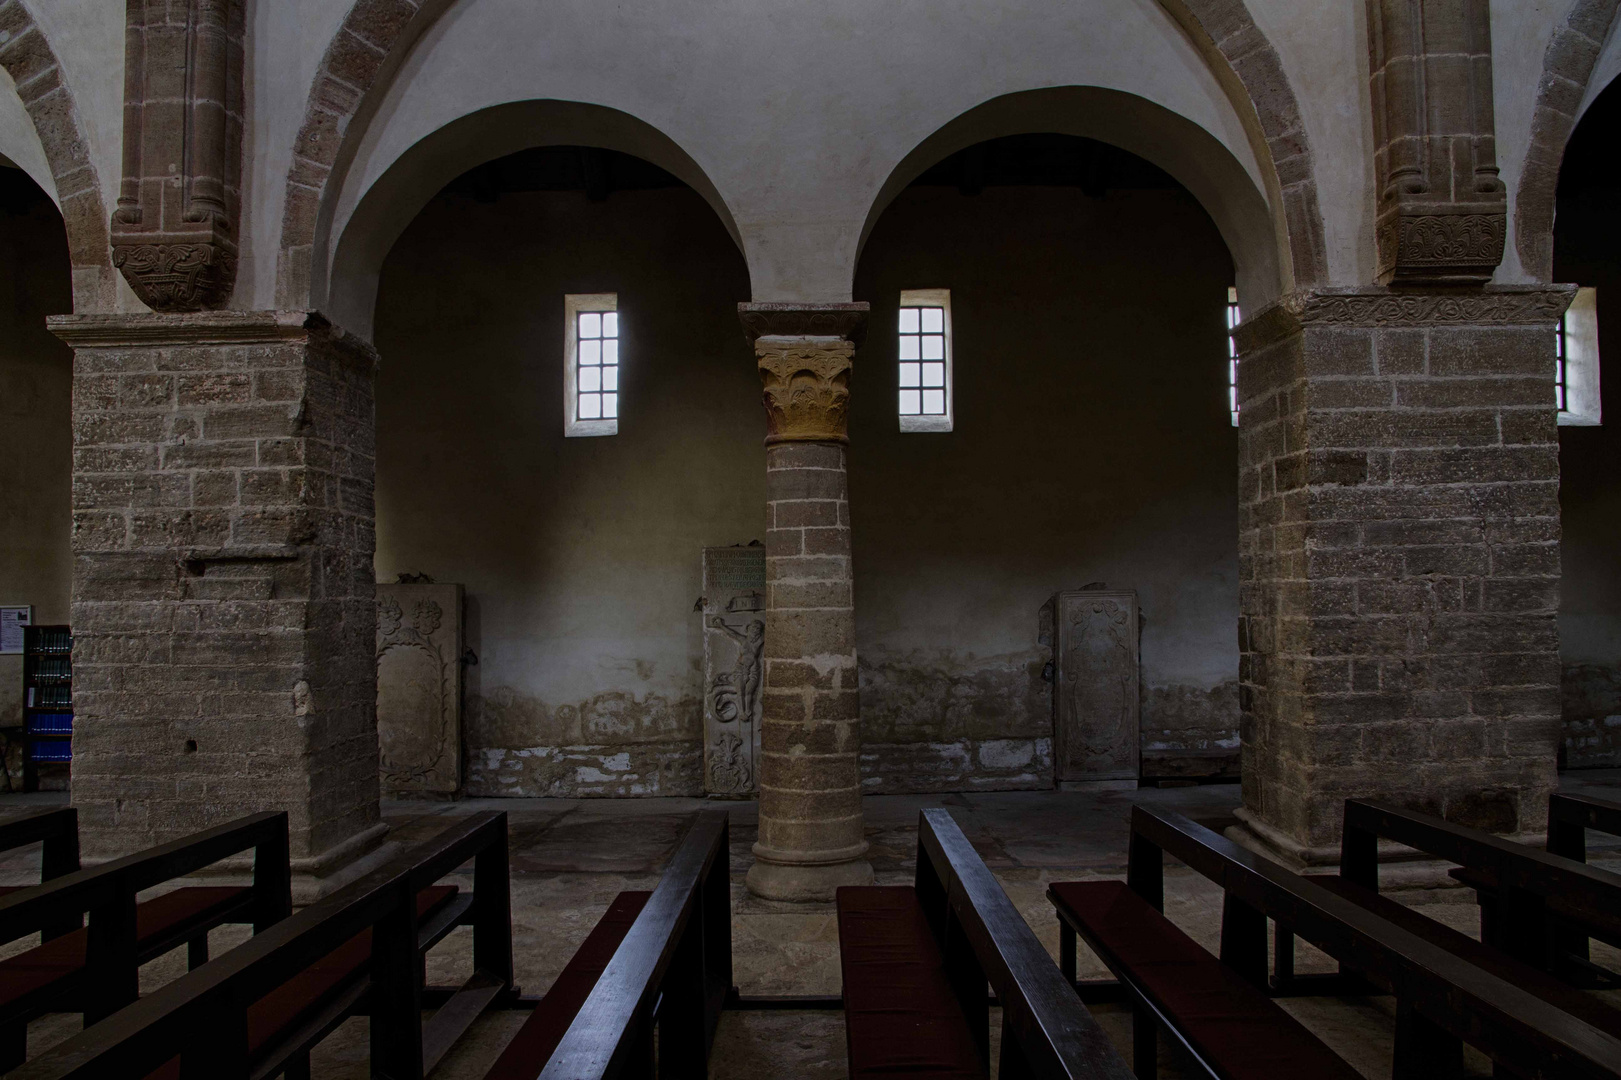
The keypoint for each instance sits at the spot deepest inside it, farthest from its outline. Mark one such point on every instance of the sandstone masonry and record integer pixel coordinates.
(1399, 558)
(223, 598)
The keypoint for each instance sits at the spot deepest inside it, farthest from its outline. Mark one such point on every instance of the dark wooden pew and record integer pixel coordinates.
(916, 962)
(1442, 1000)
(255, 1011)
(56, 829)
(1571, 815)
(668, 979)
(1528, 897)
(1569, 818)
(95, 969)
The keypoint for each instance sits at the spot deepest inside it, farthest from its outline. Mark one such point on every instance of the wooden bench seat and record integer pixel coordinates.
(255, 1011)
(160, 924)
(544, 1029)
(1589, 1008)
(644, 993)
(901, 1014)
(95, 969)
(311, 991)
(1234, 1029)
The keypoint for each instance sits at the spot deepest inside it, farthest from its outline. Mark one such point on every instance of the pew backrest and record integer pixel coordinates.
(1046, 1030)
(1589, 893)
(108, 893)
(681, 945)
(1500, 1019)
(202, 1015)
(1569, 818)
(56, 827)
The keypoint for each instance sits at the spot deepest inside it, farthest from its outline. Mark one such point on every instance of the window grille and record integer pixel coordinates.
(1234, 317)
(591, 372)
(924, 369)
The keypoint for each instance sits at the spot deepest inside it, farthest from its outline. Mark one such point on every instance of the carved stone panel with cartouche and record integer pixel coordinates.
(733, 608)
(1096, 710)
(419, 693)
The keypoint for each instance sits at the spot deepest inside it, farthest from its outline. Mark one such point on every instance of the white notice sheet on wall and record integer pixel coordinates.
(12, 621)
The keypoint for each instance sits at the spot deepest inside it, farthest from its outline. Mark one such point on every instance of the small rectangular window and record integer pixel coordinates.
(1234, 317)
(1576, 363)
(591, 364)
(924, 374)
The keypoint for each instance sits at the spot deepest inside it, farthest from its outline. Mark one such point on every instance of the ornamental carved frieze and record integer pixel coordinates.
(1379, 308)
(1442, 209)
(807, 388)
(175, 231)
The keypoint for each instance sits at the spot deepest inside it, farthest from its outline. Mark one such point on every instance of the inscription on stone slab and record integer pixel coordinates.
(419, 693)
(734, 667)
(1095, 699)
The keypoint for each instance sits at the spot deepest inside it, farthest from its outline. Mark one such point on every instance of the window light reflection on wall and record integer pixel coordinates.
(1234, 317)
(1576, 363)
(924, 369)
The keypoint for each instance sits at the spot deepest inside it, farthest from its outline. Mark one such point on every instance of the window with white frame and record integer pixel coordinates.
(591, 365)
(1576, 363)
(924, 371)
(1234, 317)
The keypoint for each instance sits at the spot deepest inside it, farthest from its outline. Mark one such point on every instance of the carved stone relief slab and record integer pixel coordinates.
(734, 667)
(1096, 704)
(419, 693)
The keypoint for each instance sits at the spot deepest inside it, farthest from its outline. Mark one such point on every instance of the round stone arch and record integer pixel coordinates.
(42, 89)
(348, 296)
(1567, 69)
(1190, 154)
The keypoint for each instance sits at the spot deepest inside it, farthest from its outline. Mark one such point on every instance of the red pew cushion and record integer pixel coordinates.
(530, 1048)
(901, 1015)
(1228, 1021)
(166, 916)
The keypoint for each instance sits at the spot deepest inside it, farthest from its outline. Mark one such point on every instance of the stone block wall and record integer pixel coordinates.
(1399, 555)
(223, 599)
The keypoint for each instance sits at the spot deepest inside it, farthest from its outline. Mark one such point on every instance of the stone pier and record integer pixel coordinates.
(223, 600)
(1399, 559)
(811, 839)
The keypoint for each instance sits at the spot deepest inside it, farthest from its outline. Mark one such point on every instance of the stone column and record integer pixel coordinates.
(223, 593)
(1399, 559)
(811, 839)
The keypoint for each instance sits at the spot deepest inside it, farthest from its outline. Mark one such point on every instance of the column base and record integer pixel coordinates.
(318, 876)
(805, 882)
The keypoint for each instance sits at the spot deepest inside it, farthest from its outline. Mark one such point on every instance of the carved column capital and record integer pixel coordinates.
(804, 353)
(807, 387)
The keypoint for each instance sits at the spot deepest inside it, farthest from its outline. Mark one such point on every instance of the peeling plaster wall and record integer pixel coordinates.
(580, 556)
(36, 380)
(1092, 443)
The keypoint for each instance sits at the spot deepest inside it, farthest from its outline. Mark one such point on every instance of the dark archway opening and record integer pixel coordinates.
(1587, 251)
(36, 461)
(1092, 443)
(580, 556)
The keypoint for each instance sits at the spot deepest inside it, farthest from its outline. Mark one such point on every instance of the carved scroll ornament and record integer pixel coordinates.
(174, 232)
(807, 388)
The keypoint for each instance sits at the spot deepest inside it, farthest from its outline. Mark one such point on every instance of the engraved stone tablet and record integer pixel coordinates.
(734, 666)
(419, 694)
(1095, 699)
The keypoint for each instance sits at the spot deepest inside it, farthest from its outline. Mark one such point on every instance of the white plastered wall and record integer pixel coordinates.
(797, 113)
